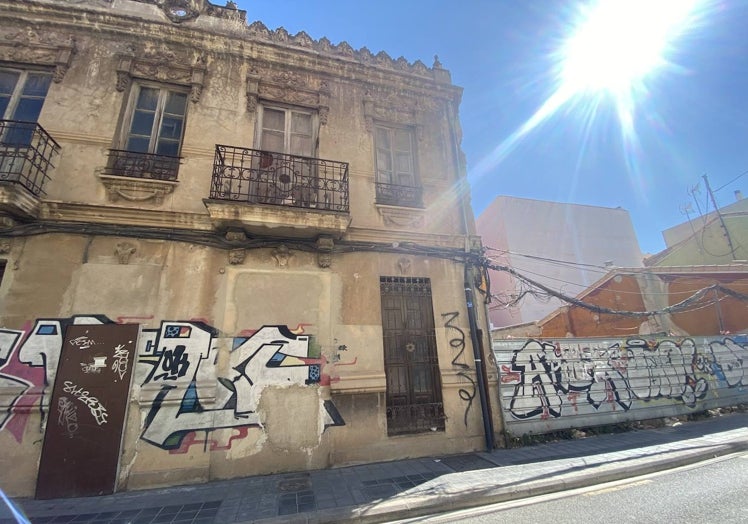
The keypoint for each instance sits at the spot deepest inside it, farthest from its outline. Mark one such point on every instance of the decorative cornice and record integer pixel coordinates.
(179, 11)
(29, 47)
(164, 66)
(259, 31)
(289, 87)
(121, 215)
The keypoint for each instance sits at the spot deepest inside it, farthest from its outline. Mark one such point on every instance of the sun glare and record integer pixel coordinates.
(619, 42)
(610, 51)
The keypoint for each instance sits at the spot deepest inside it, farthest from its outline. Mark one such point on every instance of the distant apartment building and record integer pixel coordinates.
(566, 247)
(713, 238)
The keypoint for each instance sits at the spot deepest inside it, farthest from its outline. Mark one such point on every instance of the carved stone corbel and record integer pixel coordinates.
(197, 81)
(237, 256)
(123, 251)
(124, 66)
(325, 246)
(282, 254)
(253, 91)
(324, 102)
(236, 235)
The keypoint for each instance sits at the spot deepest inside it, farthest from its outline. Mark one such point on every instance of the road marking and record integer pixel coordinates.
(616, 488)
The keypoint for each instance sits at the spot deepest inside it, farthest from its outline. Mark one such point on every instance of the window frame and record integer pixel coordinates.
(287, 134)
(17, 93)
(392, 129)
(131, 108)
(388, 192)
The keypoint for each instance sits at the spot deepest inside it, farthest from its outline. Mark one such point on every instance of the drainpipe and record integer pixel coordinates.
(472, 319)
(482, 388)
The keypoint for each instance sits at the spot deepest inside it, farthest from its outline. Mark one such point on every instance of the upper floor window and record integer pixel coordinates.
(152, 134)
(156, 123)
(287, 130)
(395, 167)
(22, 95)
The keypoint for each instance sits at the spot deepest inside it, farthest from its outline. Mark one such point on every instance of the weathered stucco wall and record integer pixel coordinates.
(279, 368)
(554, 384)
(228, 290)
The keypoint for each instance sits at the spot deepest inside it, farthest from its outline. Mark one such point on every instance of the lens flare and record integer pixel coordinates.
(611, 49)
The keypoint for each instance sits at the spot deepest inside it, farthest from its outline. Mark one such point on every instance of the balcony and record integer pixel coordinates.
(139, 177)
(26, 153)
(142, 165)
(265, 192)
(394, 195)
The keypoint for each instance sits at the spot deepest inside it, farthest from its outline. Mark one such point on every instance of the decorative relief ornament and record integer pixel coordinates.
(403, 265)
(123, 251)
(179, 10)
(29, 47)
(237, 256)
(282, 254)
(325, 246)
(162, 65)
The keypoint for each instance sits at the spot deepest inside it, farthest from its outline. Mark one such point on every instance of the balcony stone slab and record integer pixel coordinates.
(17, 201)
(262, 219)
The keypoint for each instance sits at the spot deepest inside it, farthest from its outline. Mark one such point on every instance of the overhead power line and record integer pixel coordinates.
(681, 306)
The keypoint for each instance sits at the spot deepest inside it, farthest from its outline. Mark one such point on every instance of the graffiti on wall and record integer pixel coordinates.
(176, 376)
(272, 355)
(28, 364)
(457, 343)
(550, 379)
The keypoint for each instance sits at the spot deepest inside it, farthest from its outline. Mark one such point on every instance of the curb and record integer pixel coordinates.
(408, 506)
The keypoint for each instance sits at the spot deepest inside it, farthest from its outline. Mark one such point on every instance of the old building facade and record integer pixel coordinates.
(226, 251)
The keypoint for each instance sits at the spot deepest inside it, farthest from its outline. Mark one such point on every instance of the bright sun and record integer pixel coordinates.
(611, 49)
(619, 42)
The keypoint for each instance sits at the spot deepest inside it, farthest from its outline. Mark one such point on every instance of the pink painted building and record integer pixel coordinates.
(566, 247)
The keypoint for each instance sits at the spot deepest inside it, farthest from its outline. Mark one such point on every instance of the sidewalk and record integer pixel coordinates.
(394, 490)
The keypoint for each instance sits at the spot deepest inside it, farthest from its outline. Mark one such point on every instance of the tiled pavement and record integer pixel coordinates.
(386, 491)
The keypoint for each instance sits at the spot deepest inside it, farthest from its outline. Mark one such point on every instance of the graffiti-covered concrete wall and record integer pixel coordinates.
(261, 344)
(191, 390)
(548, 385)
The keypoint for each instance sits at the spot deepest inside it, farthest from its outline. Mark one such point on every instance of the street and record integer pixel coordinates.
(710, 491)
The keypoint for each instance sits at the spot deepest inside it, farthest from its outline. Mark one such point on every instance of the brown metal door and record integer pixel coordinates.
(82, 442)
(414, 396)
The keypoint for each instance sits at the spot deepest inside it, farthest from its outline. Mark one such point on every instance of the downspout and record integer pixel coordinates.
(488, 432)
(487, 423)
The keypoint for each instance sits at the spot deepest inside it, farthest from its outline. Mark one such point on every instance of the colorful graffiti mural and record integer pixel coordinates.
(176, 374)
(28, 364)
(272, 355)
(553, 379)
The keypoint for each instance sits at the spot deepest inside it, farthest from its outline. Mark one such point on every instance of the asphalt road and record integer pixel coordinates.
(715, 491)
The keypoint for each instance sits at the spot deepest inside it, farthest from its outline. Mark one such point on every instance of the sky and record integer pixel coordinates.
(685, 119)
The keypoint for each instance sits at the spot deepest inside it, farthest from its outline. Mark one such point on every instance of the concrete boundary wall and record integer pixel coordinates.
(548, 385)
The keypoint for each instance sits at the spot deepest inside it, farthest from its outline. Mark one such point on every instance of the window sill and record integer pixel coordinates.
(401, 217)
(136, 189)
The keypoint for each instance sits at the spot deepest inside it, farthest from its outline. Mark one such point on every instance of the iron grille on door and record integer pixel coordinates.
(414, 398)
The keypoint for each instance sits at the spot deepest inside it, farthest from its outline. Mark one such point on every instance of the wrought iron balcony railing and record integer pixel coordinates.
(26, 153)
(394, 195)
(142, 165)
(262, 177)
